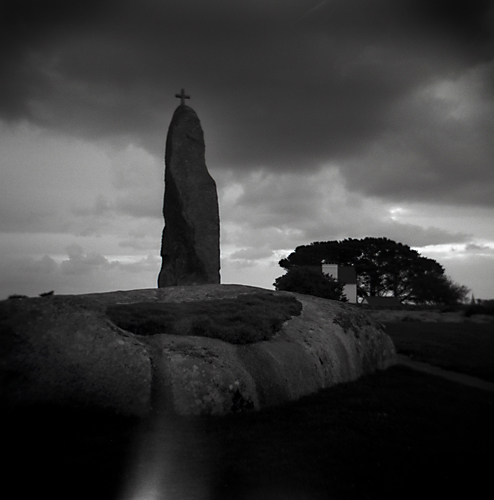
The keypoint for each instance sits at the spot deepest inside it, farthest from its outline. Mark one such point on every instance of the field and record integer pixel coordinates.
(243, 320)
(461, 347)
(393, 434)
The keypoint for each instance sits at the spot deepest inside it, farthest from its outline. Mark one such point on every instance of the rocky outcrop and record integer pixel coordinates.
(62, 351)
(66, 350)
(190, 248)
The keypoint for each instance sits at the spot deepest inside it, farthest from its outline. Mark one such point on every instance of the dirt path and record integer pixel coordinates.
(455, 377)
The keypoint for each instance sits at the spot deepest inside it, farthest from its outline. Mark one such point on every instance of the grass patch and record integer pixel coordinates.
(65, 453)
(242, 320)
(461, 347)
(393, 434)
(486, 308)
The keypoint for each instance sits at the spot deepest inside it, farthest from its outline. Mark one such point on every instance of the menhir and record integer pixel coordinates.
(190, 246)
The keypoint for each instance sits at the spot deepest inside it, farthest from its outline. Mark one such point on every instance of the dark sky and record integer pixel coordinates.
(395, 98)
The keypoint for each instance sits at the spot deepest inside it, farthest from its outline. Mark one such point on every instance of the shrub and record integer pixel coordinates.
(242, 320)
(487, 308)
(310, 282)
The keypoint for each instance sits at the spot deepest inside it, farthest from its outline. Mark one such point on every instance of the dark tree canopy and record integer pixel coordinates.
(310, 282)
(384, 268)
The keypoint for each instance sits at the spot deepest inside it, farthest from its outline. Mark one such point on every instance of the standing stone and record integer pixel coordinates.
(190, 246)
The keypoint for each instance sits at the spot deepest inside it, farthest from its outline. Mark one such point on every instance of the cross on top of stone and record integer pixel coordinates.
(182, 97)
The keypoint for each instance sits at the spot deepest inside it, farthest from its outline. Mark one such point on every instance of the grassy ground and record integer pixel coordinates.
(393, 434)
(390, 435)
(462, 347)
(242, 320)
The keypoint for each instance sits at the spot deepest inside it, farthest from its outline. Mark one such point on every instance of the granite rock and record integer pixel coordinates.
(190, 248)
(59, 351)
(66, 350)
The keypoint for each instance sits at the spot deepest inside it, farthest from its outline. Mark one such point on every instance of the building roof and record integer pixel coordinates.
(382, 301)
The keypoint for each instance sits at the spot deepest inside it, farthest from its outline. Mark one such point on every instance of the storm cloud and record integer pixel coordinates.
(324, 114)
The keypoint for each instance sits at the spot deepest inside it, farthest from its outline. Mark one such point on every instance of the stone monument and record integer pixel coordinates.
(190, 246)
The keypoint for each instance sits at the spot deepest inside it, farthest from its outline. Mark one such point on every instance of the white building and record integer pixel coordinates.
(345, 275)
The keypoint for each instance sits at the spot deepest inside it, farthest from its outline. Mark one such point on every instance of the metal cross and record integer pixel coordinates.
(182, 97)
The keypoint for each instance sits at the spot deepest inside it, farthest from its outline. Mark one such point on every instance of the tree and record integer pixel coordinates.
(441, 291)
(310, 282)
(384, 268)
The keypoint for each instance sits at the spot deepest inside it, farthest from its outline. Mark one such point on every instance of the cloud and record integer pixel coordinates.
(442, 152)
(353, 86)
(469, 264)
(101, 208)
(46, 177)
(480, 249)
(320, 119)
(80, 263)
(251, 255)
(78, 271)
(45, 265)
(290, 210)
